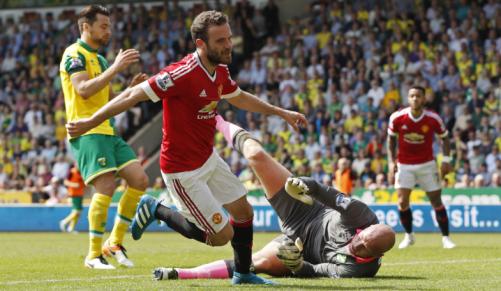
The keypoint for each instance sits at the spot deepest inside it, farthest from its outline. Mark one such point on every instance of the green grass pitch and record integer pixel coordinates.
(54, 261)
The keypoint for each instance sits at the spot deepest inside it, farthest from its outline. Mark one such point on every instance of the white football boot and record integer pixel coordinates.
(118, 252)
(99, 263)
(447, 243)
(408, 241)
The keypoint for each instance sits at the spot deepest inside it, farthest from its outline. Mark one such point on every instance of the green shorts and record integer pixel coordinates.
(97, 154)
(76, 203)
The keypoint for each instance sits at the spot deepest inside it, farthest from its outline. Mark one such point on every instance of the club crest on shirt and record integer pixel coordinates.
(164, 81)
(340, 258)
(102, 162)
(217, 218)
(425, 128)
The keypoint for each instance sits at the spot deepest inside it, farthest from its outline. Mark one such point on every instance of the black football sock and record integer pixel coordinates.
(242, 245)
(177, 222)
(406, 219)
(442, 220)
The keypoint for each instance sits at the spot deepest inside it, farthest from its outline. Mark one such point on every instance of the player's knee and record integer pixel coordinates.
(222, 237)
(142, 182)
(263, 264)
(106, 188)
(255, 152)
(403, 204)
(244, 212)
(436, 202)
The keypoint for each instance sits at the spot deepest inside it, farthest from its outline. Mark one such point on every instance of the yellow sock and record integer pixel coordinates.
(75, 215)
(125, 212)
(98, 213)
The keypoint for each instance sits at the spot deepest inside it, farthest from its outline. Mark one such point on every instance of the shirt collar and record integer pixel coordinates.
(86, 46)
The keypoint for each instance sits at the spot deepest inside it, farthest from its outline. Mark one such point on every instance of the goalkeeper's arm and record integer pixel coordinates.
(333, 270)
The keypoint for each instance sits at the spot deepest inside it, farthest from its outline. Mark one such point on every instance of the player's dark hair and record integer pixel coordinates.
(89, 15)
(201, 24)
(419, 88)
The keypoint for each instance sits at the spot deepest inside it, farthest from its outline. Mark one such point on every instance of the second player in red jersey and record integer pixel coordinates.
(415, 128)
(416, 134)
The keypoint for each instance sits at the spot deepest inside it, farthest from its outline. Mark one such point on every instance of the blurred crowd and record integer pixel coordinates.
(346, 65)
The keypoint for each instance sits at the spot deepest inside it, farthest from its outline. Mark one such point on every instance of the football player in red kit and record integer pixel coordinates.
(413, 129)
(193, 172)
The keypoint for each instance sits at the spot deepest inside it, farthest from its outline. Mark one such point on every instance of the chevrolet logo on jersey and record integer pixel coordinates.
(414, 138)
(208, 111)
(209, 107)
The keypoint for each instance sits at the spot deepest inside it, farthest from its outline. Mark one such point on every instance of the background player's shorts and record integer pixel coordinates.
(200, 194)
(97, 154)
(76, 203)
(425, 175)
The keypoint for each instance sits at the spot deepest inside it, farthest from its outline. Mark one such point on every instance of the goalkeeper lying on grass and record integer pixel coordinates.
(325, 234)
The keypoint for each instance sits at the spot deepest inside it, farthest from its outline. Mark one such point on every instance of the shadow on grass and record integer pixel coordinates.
(306, 286)
(320, 284)
(389, 277)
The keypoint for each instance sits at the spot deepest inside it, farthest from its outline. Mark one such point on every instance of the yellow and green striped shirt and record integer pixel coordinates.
(79, 58)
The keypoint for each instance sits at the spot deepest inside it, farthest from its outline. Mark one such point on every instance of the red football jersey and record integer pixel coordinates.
(189, 95)
(415, 135)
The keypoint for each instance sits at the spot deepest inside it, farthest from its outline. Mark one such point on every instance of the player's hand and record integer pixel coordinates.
(290, 254)
(295, 119)
(139, 78)
(125, 58)
(445, 169)
(392, 171)
(78, 127)
(297, 189)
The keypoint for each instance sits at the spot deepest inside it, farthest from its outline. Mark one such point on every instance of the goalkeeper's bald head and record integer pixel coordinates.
(373, 241)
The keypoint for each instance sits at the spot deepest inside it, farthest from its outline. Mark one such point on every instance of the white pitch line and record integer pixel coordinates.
(442, 262)
(73, 279)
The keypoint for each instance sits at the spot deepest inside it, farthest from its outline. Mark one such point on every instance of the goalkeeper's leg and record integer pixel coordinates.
(270, 173)
(264, 261)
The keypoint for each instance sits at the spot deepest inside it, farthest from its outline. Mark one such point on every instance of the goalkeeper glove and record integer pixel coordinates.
(290, 254)
(297, 189)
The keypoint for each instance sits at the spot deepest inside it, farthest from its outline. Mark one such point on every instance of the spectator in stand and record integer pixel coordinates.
(344, 177)
(76, 187)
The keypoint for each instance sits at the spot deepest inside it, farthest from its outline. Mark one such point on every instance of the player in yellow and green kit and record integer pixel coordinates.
(100, 153)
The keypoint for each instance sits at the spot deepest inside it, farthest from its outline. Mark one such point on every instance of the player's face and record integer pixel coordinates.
(416, 99)
(219, 44)
(100, 30)
(358, 246)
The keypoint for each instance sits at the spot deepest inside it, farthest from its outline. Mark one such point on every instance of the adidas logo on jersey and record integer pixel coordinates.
(404, 127)
(203, 94)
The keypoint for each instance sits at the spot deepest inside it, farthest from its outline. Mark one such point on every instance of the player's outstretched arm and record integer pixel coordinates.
(328, 196)
(252, 103)
(122, 102)
(352, 211)
(87, 87)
